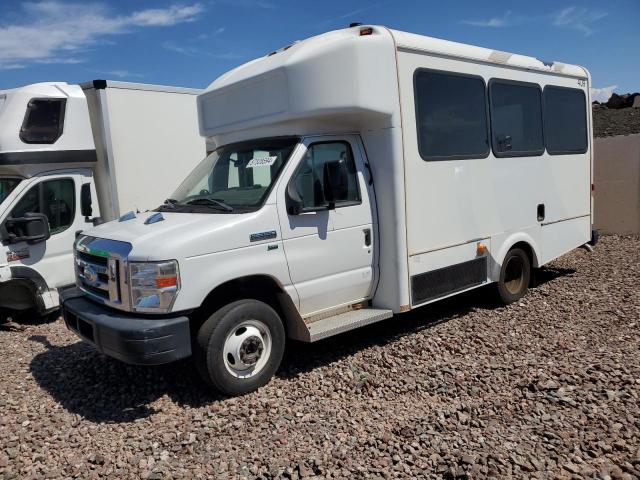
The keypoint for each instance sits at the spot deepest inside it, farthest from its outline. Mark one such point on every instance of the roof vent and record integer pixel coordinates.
(354, 24)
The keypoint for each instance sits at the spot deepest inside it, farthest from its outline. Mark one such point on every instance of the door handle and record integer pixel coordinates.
(540, 212)
(367, 237)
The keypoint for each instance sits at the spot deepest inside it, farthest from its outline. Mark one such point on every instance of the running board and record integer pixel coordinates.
(327, 327)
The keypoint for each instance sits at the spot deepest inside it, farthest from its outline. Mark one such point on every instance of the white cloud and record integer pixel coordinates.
(191, 51)
(55, 31)
(578, 18)
(248, 4)
(494, 22)
(123, 74)
(602, 94)
(163, 17)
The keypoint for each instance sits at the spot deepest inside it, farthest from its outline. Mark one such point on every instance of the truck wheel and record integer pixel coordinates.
(240, 347)
(515, 275)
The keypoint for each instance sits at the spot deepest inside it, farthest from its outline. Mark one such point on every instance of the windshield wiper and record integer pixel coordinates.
(170, 202)
(211, 202)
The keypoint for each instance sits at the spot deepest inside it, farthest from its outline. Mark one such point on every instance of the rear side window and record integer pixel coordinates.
(451, 115)
(565, 120)
(44, 120)
(516, 118)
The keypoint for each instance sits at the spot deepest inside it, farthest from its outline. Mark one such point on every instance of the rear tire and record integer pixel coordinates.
(240, 347)
(515, 275)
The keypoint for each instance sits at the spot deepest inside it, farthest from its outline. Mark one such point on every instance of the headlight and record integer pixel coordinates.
(154, 285)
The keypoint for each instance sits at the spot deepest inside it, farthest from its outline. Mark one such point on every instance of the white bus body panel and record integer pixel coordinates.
(147, 142)
(490, 200)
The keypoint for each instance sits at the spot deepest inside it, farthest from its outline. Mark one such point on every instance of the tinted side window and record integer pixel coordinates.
(327, 174)
(54, 198)
(44, 121)
(565, 120)
(451, 115)
(516, 118)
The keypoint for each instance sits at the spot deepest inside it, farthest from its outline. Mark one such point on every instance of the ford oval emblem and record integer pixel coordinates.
(90, 274)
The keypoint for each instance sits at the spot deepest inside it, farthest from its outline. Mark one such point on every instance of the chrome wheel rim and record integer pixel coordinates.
(247, 348)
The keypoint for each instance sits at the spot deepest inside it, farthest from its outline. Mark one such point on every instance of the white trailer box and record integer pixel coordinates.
(356, 175)
(60, 146)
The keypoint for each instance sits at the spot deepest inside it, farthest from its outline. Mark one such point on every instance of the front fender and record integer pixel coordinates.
(201, 274)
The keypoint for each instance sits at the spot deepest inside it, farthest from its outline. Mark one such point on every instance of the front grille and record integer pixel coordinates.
(94, 275)
(96, 291)
(98, 260)
(101, 270)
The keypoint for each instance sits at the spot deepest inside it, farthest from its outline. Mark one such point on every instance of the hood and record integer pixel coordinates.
(185, 235)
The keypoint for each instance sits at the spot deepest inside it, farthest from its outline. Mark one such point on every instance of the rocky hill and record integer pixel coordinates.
(620, 115)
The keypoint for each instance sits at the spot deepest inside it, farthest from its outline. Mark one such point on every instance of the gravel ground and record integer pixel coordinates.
(546, 388)
(608, 122)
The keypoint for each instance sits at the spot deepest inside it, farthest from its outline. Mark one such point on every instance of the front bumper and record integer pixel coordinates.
(127, 337)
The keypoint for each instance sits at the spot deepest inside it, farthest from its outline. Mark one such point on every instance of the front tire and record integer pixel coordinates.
(515, 275)
(240, 347)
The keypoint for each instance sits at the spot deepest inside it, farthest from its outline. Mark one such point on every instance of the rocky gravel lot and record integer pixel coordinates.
(546, 388)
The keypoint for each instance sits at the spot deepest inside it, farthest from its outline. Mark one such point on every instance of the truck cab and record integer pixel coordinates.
(46, 153)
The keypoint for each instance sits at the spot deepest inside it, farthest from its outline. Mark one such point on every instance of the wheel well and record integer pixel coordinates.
(529, 251)
(257, 287)
(19, 295)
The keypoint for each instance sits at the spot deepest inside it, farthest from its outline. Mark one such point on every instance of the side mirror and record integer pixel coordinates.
(85, 200)
(32, 228)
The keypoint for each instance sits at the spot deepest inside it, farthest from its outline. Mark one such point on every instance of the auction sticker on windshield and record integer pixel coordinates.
(262, 162)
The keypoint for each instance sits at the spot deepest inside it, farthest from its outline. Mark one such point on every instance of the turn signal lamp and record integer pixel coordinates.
(165, 282)
(481, 249)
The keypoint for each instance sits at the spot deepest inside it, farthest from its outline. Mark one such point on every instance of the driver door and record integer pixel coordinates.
(329, 245)
(57, 197)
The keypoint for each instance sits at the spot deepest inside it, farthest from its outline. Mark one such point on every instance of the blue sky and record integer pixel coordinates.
(190, 43)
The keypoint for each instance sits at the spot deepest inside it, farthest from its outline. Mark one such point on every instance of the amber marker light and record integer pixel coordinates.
(481, 249)
(165, 282)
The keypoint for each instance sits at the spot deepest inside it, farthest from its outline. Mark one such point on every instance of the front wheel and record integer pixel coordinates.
(515, 275)
(240, 347)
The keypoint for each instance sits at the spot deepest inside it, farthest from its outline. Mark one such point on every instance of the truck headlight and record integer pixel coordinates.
(154, 285)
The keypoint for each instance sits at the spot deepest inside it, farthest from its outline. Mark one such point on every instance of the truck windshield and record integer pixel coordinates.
(7, 185)
(234, 178)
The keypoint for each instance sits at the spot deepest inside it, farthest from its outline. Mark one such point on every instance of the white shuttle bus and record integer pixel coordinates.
(75, 155)
(354, 176)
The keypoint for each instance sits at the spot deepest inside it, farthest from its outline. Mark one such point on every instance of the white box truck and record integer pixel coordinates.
(122, 145)
(356, 175)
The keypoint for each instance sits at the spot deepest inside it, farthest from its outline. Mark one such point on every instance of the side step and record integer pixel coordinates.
(344, 322)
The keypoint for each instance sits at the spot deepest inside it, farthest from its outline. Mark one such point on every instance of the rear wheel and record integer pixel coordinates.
(515, 276)
(240, 347)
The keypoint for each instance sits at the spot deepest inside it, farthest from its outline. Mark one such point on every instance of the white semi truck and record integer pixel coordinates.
(355, 176)
(74, 155)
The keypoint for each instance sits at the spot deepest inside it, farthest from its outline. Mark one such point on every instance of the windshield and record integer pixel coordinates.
(7, 185)
(234, 178)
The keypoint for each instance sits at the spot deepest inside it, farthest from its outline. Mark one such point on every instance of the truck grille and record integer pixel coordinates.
(100, 270)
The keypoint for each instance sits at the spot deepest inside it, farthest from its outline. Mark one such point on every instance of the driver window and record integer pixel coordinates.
(54, 198)
(326, 175)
